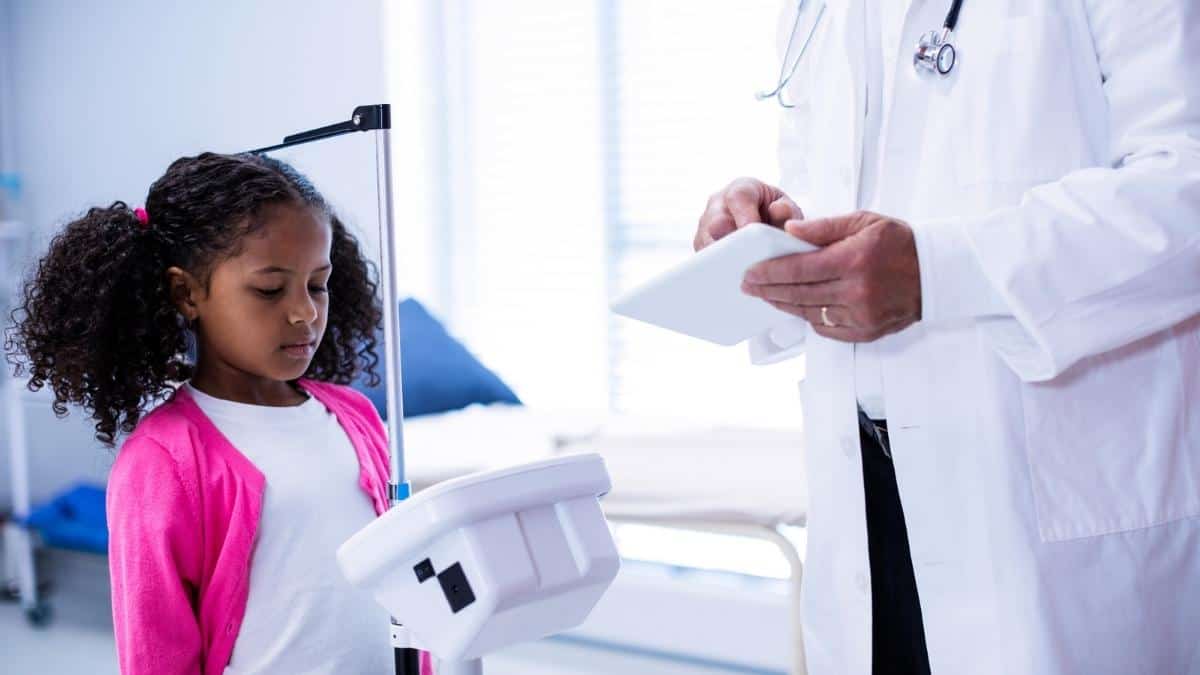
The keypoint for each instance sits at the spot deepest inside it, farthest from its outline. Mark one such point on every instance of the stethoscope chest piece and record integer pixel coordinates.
(935, 54)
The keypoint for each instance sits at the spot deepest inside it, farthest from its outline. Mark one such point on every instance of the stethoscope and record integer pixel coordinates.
(934, 54)
(786, 73)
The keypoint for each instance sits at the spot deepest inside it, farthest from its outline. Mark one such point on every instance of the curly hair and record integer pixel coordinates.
(97, 322)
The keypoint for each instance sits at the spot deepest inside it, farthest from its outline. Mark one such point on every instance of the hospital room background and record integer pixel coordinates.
(547, 155)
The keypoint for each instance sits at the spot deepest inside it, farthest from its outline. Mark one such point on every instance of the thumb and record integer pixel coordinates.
(823, 231)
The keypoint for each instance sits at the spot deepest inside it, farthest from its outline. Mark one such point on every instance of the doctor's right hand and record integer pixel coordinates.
(744, 201)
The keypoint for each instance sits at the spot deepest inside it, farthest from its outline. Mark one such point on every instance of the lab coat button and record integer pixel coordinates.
(860, 580)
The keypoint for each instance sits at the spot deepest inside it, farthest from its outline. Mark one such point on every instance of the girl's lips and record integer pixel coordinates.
(300, 351)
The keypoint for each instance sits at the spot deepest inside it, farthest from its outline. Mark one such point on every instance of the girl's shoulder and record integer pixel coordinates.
(166, 433)
(356, 413)
(169, 424)
(157, 463)
(178, 432)
(342, 396)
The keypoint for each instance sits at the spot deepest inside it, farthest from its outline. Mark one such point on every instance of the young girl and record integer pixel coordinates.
(228, 501)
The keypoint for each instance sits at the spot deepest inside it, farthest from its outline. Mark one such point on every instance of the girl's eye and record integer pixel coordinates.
(269, 292)
(319, 289)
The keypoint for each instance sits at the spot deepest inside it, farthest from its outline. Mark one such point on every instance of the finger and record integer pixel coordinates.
(845, 327)
(804, 295)
(799, 268)
(813, 317)
(839, 333)
(715, 223)
(782, 210)
(825, 231)
(713, 228)
(841, 330)
(719, 226)
(743, 202)
(787, 307)
(838, 315)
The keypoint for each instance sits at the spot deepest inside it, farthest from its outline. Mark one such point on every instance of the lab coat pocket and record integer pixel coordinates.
(1016, 102)
(1114, 443)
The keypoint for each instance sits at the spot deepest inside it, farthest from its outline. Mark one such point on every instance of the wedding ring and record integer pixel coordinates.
(825, 318)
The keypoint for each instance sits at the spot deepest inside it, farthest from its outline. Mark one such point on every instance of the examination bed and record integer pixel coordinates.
(670, 473)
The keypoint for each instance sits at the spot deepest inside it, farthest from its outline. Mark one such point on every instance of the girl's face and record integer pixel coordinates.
(264, 313)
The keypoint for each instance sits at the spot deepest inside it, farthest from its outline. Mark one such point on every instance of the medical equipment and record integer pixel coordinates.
(667, 472)
(19, 567)
(487, 560)
(517, 554)
(702, 296)
(935, 53)
(786, 73)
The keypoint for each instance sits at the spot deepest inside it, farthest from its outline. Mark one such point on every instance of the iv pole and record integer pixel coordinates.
(378, 118)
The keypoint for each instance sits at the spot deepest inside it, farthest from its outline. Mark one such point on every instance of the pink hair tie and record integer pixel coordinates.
(143, 217)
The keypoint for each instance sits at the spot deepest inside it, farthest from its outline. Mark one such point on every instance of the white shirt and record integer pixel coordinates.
(301, 615)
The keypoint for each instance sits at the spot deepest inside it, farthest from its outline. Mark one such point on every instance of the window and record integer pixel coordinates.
(580, 141)
(682, 122)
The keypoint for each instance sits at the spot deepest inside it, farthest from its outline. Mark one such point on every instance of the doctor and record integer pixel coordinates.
(1002, 404)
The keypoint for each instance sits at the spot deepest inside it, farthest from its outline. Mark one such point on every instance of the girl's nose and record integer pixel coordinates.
(304, 311)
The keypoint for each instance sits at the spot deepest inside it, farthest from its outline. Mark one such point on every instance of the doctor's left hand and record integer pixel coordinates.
(866, 276)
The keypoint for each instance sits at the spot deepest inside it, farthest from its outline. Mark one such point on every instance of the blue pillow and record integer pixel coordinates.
(438, 372)
(74, 519)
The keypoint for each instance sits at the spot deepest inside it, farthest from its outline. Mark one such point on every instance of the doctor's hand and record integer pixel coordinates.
(866, 277)
(744, 201)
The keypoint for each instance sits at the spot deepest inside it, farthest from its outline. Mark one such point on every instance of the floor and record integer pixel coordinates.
(79, 637)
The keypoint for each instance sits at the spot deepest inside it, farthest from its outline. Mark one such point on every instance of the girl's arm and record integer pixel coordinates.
(154, 560)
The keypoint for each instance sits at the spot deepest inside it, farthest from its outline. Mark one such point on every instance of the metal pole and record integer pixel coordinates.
(407, 660)
(18, 542)
(398, 488)
(17, 539)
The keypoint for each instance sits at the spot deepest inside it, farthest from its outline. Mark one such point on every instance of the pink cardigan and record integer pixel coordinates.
(183, 509)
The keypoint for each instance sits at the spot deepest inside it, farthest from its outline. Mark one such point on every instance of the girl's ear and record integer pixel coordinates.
(185, 291)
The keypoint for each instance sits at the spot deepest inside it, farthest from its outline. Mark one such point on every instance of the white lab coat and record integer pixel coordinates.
(1045, 412)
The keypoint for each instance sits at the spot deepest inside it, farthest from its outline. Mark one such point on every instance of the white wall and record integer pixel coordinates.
(6, 138)
(105, 95)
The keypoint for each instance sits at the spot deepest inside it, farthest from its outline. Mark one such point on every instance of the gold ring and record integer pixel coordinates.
(825, 318)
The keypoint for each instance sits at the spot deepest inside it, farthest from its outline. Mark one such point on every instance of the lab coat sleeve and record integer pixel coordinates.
(780, 343)
(153, 563)
(1104, 256)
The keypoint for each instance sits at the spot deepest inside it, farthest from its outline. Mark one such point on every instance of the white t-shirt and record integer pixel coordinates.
(301, 615)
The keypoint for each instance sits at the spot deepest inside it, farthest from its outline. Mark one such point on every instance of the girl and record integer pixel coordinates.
(227, 502)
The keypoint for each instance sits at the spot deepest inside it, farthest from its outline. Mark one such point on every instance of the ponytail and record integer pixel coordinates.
(96, 322)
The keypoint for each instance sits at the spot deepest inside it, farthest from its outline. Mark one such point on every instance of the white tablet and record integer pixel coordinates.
(703, 297)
